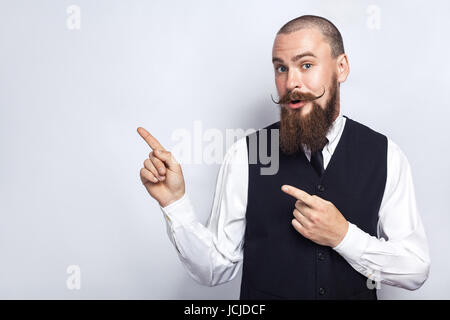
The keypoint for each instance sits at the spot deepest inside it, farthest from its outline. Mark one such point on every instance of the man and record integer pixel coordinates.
(339, 212)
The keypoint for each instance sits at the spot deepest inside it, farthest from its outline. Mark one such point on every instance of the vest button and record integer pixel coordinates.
(320, 255)
(322, 291)
(321, 187)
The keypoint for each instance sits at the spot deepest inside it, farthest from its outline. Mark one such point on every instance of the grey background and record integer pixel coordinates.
(71, 101)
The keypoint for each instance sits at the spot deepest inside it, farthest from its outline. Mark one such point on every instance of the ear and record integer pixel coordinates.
(342, 67)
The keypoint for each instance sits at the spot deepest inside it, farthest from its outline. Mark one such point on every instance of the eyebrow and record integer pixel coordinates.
(296, 58)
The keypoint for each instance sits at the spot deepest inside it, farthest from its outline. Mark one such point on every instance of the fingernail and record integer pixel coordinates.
(155, 180)
(161, 178)
(285, 188)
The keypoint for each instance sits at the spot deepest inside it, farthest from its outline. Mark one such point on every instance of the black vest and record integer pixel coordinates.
(279, 263)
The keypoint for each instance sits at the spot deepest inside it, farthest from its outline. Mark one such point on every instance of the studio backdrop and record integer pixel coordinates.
(78, 77)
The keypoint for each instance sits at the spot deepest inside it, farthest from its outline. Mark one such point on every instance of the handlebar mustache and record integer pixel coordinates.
(295, 95)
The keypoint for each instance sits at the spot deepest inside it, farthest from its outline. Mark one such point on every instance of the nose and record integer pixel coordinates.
(294, 79)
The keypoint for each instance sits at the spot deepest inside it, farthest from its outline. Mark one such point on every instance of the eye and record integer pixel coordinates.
(307, 64)
(281, 69)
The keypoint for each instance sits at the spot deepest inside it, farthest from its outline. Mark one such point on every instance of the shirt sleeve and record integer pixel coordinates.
(399, 255)
(212, 254)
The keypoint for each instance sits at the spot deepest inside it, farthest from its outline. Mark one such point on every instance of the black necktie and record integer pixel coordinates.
(317, 160)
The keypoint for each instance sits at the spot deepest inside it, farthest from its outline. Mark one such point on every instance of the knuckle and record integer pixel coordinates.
(154, 161)
(148, 164)
(151, 177)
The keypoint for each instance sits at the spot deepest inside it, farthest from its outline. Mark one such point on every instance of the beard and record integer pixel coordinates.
(310, 129)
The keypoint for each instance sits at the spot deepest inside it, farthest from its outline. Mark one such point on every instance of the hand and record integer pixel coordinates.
(317, 219)
(161, 175)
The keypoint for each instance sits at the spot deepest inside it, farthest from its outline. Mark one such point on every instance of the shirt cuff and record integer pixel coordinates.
(179, 212)
(354, 243)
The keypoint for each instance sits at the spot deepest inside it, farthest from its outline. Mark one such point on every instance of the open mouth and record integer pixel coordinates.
(294, 104)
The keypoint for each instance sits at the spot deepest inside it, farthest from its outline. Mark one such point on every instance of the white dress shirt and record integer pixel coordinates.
(212, 254)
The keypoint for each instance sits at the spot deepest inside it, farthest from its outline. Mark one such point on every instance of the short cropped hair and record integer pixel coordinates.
(328, 30)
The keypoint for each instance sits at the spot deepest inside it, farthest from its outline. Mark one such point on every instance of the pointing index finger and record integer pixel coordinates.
(298, 194)
(151, 140)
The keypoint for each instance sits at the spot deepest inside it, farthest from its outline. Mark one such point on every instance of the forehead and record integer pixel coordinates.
(288, 45)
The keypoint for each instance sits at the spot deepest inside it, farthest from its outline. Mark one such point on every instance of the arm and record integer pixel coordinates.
(399, 256)
(212, 254)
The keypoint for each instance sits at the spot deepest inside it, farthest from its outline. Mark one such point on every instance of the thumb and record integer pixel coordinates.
(168, 159)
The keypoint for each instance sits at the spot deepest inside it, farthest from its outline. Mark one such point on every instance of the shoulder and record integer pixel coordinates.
(364, 130)
(397, 160)
(365, 138)
(395, 154)
(274, 125)
(237, 152)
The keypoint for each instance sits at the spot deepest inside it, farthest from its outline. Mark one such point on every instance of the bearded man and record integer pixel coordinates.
(337, 218)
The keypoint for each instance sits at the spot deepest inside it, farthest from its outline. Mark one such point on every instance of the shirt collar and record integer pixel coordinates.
(334, 132)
